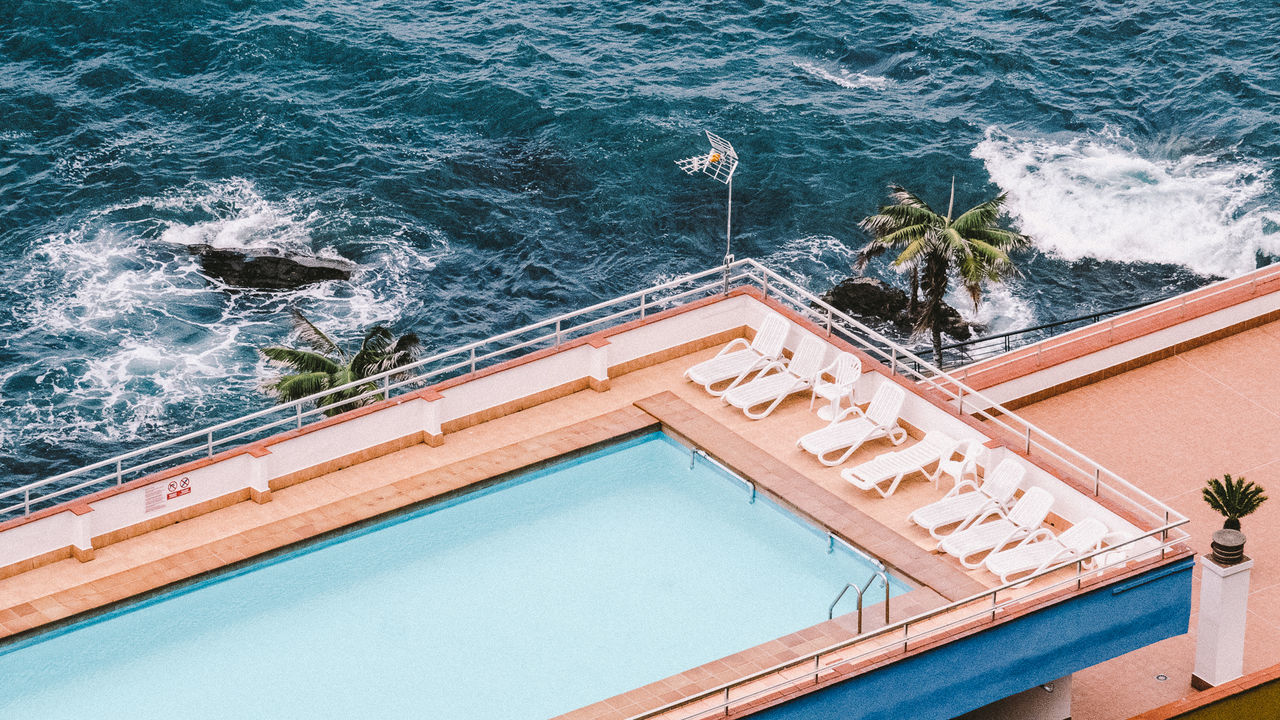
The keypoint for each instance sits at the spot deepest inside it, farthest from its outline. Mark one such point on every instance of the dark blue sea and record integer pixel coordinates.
(490, 164)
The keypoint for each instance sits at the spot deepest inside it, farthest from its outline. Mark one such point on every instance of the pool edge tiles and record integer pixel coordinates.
(184, 552)
(728, 490)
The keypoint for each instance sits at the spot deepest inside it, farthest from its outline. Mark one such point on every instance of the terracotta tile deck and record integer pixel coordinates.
(1168, 427)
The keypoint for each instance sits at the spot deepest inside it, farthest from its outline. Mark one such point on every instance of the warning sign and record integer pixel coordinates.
(178, 488)
(157, 494)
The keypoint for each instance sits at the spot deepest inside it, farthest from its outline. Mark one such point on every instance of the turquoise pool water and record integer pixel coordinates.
(542, 594)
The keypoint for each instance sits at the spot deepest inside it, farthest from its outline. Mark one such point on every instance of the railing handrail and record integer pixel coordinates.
(465, 349)
(906, 623)
(805, 301)
(1088, 317)
(963, 390)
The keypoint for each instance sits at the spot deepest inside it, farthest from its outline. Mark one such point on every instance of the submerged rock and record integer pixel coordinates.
(267, 269)
(870, 298)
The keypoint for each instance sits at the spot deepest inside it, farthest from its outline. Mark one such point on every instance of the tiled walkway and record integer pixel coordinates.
(1168, 427)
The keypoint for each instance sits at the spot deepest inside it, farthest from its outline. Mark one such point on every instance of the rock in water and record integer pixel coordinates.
(267, 269)
(867, 297)
(870, 298)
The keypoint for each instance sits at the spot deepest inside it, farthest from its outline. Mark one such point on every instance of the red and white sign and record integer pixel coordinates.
(178, 488)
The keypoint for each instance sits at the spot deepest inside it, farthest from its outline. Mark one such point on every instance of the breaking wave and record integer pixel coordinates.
(1103, 197)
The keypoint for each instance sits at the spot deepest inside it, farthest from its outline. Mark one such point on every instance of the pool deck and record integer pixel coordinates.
(637, 401)
(1168, 427)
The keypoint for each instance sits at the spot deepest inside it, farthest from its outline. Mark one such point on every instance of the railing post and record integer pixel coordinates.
(473, 350)
(1097, 480)
(26, 502)
(726, 701)
(298, 407)
(893, 365)
(119, 472)
(473, 354)
(386, 387)
(828, 322)
(642, 305)
(960, 399)
(210, 443)
(1028, 439)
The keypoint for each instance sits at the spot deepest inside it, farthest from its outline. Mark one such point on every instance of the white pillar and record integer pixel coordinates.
(1224, 595)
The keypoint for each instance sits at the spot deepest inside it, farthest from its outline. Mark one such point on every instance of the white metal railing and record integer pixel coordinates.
(893, 639)
(555, 331)
(1156, 537)
(465, 359)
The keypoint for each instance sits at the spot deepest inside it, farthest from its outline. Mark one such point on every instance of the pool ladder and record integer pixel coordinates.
(831, 611)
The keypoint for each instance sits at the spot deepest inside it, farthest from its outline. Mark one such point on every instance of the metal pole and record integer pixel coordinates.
(728, 236)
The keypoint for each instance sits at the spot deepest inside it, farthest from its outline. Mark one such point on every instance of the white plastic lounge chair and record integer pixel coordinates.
(973, 454)
(995, 527)
(893, 466)
(967, 499)
(777, 380)
(738, 359)
(846, 370)
(879, 420)
(1042, 549)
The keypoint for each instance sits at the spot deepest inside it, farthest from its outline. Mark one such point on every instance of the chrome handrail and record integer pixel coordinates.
(988, 601)
(831, 610)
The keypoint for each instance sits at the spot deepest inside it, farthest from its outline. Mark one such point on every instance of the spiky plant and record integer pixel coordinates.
(933, 247)
(326, 365)
(1233, 498)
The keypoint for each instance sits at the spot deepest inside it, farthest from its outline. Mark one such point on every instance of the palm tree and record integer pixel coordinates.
(1233, 499)
(932, 246)
(326, 365)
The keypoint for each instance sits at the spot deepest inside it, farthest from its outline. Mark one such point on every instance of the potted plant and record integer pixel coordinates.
(1233, 499)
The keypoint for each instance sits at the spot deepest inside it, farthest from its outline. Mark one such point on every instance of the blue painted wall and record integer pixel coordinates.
(1032, 650)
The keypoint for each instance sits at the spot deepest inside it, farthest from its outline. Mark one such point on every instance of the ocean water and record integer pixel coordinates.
(489, 164)
(526, 601)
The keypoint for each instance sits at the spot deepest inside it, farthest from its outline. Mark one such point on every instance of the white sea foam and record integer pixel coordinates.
(1103, 196)
(166, 338)
(813, 261)
(843, 77)
(999, 310)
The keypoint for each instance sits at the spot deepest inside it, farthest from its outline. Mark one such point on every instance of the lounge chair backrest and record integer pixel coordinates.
(771, 335)
(1084, 536)
(1032, 508)
(846, 369)
(886, 404)
(806, 363)
(1000, 484)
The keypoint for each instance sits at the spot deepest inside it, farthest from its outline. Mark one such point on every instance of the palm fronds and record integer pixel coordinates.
(932, 246)
(315, 372)
(1233, 498)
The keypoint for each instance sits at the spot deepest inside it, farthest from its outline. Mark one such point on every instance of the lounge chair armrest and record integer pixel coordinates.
(955, 489)
(733, 344)
(844, 414)
(990, 509)
(1040, 535)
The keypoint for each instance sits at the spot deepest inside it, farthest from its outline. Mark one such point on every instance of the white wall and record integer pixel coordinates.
(1123, 352)
(63, 529)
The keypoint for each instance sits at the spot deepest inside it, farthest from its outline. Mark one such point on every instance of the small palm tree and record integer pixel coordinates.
(327, 365)
(933, 246)
(1233, 498)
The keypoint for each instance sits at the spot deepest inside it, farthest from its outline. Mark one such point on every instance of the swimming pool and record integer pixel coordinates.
(528, 599)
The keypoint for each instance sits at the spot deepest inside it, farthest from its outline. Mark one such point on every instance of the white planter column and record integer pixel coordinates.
(1224, 595)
